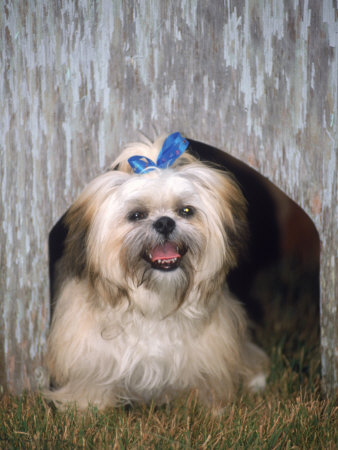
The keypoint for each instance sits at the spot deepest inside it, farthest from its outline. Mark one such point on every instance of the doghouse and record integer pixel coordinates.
(257, 80)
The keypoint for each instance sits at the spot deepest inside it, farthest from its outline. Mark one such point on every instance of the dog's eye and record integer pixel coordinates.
(134, 216)
(186, 211)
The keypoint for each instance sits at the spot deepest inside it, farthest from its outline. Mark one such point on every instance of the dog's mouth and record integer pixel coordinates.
(166, 256)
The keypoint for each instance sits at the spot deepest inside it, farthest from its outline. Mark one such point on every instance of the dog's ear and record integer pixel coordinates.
(220, 189)
(236, 223)
(234, 215)
(80, 216)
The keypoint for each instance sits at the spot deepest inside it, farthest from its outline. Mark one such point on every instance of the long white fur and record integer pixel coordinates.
(147, 344)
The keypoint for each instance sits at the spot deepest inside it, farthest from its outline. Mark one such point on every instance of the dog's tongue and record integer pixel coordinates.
(166, 251)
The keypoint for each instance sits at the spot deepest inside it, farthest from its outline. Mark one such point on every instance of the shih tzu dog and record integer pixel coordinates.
(144, 312)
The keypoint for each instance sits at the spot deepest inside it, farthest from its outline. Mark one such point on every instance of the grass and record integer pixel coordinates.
(291, 414)
(287, 416)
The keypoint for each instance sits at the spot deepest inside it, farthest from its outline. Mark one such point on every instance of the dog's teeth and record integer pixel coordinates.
(164, 262)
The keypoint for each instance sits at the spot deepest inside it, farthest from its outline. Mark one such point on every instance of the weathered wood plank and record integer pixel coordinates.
(80, 78)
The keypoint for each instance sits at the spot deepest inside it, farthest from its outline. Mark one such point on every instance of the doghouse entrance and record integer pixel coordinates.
(278, 280)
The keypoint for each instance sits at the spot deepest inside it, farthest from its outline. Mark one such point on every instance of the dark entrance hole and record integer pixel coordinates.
(278, 280)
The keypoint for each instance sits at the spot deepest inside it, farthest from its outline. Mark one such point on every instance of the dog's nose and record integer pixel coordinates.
(164, 225)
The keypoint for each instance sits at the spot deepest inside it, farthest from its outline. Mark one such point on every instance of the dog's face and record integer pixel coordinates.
(168, 231)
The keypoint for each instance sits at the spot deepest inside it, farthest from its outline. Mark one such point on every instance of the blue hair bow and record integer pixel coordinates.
(172, 148)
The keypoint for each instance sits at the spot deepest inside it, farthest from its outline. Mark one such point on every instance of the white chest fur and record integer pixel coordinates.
(143, 354)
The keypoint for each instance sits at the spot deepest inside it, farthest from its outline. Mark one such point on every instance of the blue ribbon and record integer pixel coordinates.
(172, 148)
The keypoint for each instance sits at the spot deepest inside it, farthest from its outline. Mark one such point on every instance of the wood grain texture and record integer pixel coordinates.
(79, 79)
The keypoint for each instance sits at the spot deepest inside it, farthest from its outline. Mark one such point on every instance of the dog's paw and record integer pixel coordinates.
(257, 383)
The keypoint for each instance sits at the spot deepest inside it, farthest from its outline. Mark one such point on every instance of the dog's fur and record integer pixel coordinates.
(123, 330)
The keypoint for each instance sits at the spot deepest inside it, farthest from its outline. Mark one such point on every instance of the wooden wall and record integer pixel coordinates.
(80, 78)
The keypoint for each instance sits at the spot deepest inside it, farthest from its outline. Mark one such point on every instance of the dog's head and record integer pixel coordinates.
(169, 231)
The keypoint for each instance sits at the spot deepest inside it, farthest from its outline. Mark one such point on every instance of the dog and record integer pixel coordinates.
(143, 312)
